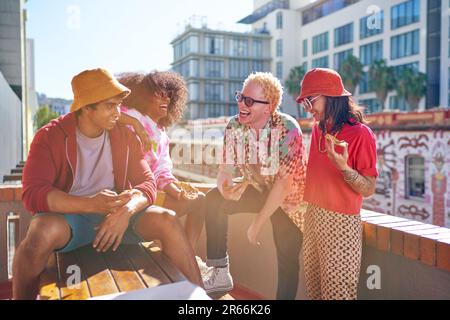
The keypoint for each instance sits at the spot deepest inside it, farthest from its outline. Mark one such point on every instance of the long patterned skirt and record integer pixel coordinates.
(332, 254)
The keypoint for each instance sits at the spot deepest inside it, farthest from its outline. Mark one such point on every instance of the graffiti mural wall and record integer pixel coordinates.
(413, 181)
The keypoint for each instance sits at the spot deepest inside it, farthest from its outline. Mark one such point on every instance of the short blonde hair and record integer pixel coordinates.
(273, 90)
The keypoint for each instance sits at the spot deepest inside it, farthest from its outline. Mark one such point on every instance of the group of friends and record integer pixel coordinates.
(92, 177)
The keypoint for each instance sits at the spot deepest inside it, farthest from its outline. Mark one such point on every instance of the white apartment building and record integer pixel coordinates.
(214, 64)
(411, 33)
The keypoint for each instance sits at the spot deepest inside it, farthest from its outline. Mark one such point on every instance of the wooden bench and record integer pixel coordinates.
(131, 267)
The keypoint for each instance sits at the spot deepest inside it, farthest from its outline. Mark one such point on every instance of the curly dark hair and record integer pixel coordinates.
(145, 87)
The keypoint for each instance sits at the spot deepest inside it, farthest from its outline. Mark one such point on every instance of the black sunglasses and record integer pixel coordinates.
(249, 102)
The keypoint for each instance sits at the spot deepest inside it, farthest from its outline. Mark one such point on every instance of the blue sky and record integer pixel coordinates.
(132, 35)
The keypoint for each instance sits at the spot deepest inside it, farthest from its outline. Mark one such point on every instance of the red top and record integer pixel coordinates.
(52, 163)
(325, 185)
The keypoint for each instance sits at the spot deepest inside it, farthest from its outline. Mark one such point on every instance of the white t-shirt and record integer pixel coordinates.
(94, 170)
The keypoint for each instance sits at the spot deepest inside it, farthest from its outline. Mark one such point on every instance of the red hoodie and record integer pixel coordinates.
(52, 163)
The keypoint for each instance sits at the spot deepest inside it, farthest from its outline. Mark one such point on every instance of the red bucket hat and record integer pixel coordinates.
(322, 81)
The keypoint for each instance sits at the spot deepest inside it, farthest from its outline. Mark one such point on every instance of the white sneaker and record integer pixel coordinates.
(204, 269)
(220, 280)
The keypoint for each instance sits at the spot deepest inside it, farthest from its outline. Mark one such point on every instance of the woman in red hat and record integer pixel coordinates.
(341, 171)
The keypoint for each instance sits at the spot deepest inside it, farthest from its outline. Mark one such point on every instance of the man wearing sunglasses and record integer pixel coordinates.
(266, 147)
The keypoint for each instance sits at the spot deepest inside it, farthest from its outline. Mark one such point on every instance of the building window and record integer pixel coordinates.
(279, 70)
(320, 62)
(214, 69)
(320, 43)
(305, 66)
(185, 47)
(371, 52)
(305, 48)
(404, 45)
(340, 57)
(415, 177)
(370, 105)
(449, 33)
(233, 109)
(193, 45)
(193, 68)
(257, 48)
(371, 25)
(239, 68)
(194, 91)
(257, 66)
(396, 103)
(280, 20)
(239, 47)
(405, 13)
(324, 9)
(448, 87)
(215, 110)
(214, 45)
(398, 69)
(233, 87)
(343, 35)
(214, 91)
(279, 50)
(183, 69)
(364, 84)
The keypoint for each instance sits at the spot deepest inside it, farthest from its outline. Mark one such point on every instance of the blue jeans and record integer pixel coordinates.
(286, 235)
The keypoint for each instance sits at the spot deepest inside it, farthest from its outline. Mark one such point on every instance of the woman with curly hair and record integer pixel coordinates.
(157, 100)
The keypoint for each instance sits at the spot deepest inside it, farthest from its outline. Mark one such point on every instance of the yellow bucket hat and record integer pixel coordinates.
(92, 86)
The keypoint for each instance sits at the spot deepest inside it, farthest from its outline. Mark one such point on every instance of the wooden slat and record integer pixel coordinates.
(164, 263)
(48, 284)
(3, 247)
(126, 278)
(79, 292)
(149, 271)
(95, 269)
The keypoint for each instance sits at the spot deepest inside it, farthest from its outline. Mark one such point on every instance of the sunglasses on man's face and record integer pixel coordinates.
(306, 103)
(249, 102)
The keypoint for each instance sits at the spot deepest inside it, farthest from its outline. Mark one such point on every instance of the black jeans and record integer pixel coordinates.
(286, 235)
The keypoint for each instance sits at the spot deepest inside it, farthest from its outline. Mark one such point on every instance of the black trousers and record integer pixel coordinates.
(287, 236)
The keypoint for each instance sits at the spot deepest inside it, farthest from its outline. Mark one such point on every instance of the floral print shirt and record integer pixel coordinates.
(279, 151)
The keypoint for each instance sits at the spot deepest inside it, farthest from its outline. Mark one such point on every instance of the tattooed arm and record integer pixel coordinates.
(359, 183)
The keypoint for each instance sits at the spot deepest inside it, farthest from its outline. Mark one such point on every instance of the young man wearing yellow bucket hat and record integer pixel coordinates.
(87, 182)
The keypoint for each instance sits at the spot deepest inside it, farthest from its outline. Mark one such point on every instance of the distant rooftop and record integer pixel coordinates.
(263, 11)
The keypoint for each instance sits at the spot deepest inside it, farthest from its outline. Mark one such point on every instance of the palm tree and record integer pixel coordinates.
(381, 80)
(351, 71)
(43, 116)
(412, 86)
(293, 83)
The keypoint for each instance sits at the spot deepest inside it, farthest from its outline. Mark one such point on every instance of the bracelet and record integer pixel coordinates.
(354, 176)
